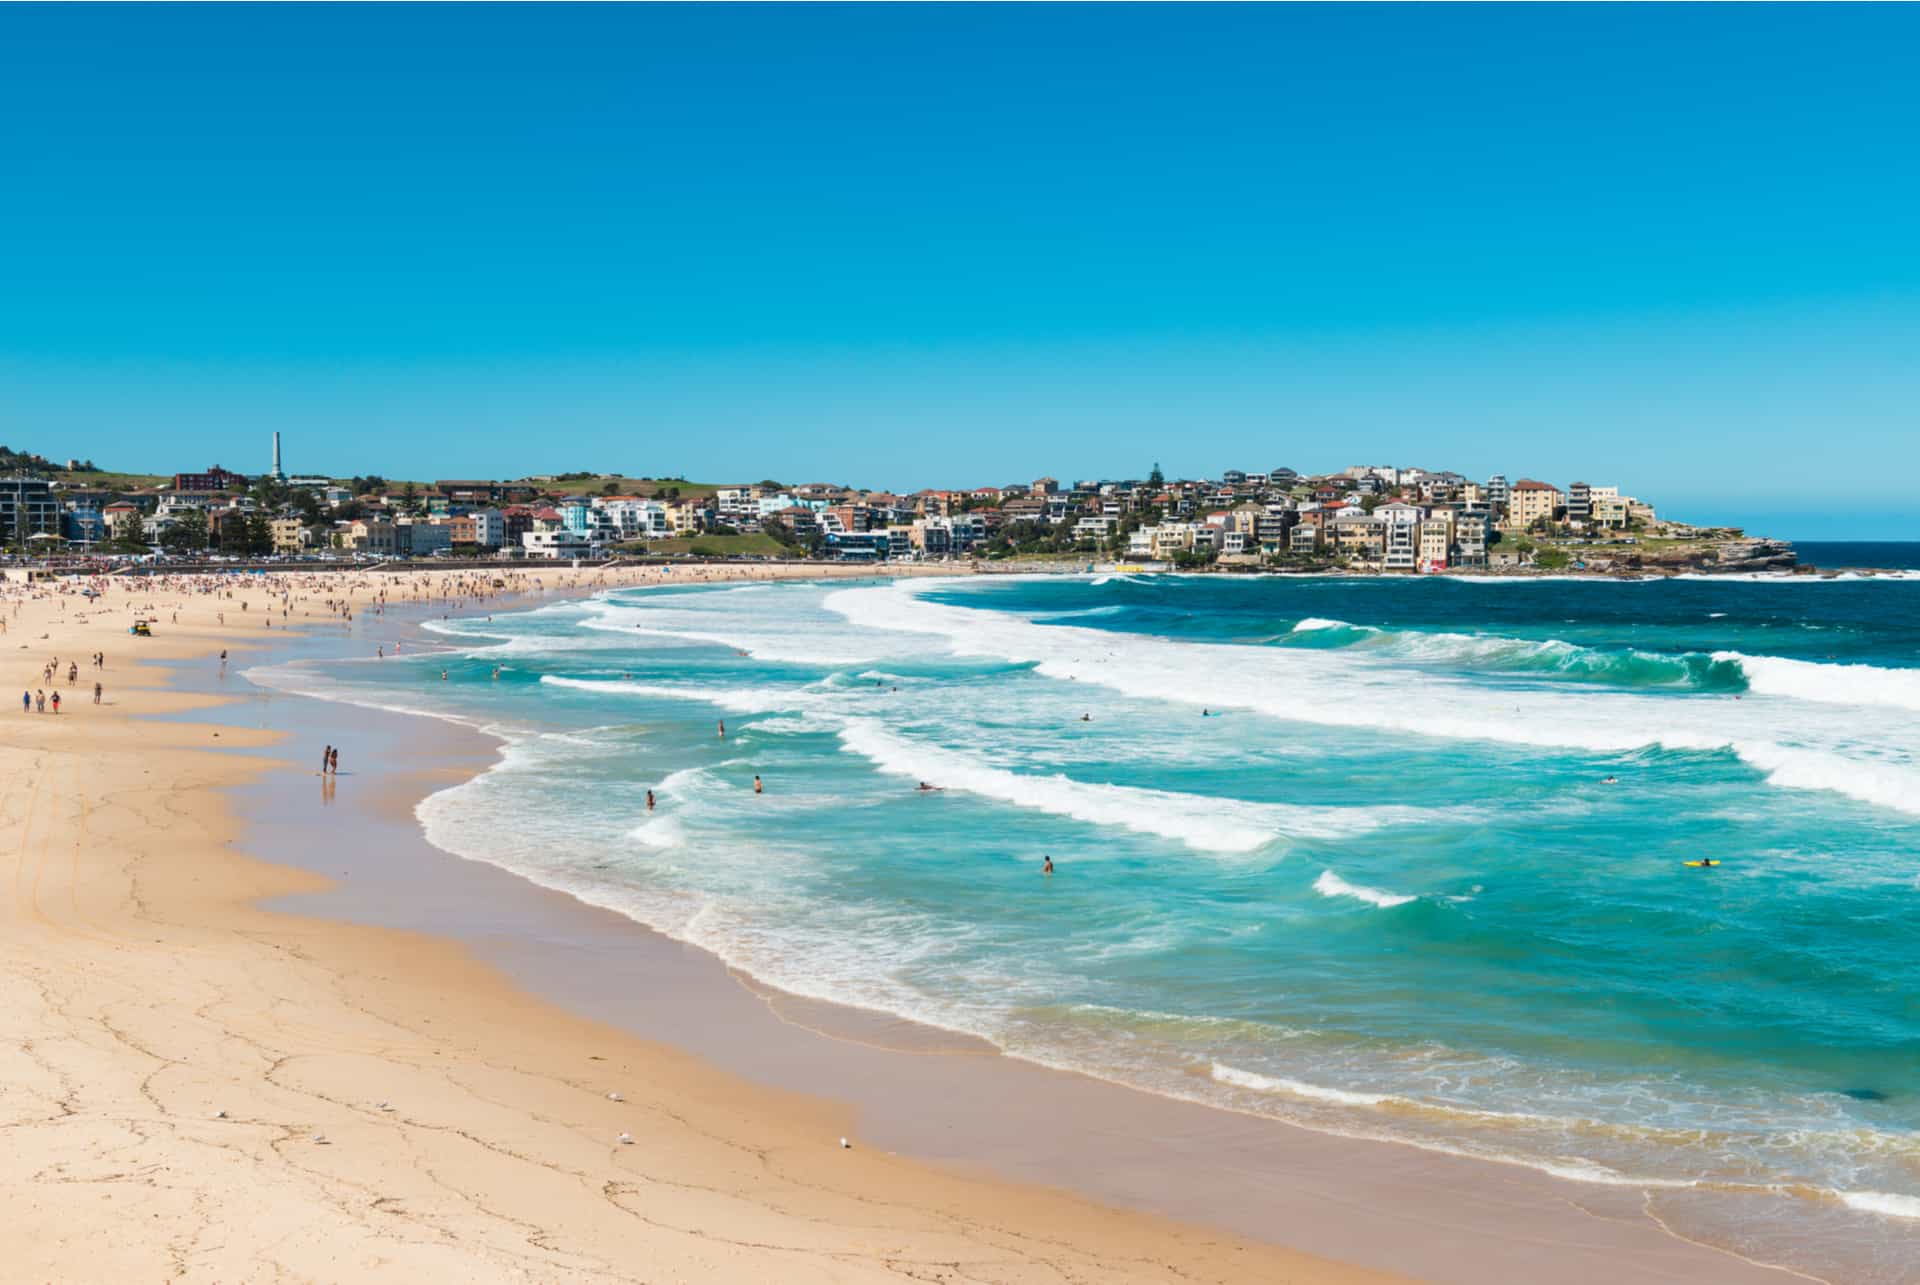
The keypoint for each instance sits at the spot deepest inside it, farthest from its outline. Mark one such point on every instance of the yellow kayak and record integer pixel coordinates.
(1698, 864)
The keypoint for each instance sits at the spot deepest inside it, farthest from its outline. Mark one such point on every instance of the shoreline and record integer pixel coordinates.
(1254, 1148)
(1381, 1205)
(193, 1084)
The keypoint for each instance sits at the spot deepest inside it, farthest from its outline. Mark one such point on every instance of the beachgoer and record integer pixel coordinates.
(756, 785)
(333, 761)
(1046, 867)
(1086, 718)
(649, 800)
(723, 729)
(326, 759)
(96, 693)
(56, 700)
(26, 702)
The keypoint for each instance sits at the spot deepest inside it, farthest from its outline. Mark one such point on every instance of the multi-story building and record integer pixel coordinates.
(1402, 548)
(1611, 510)
(1358, 536)
(214, 479)
(1436, 544)
(1469, 539)
(83, 522)
(291, 535)
(557, 542)
(1498, 492)
(123, 519)
(420, 538)
(1529, 502)
(1579, 502)
(368, 535)
(27, 508)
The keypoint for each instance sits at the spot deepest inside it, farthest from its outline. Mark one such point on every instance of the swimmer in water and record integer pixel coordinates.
(1611, 780)
(1046, 867)
(723, 729)
(756, 785)
(928, 789)
(649, 800)
(1086, 718)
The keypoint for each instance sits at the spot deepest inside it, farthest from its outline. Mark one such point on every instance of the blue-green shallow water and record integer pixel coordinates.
(1340, 851)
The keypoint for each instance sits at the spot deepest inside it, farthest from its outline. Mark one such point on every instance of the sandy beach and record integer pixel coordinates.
(224, 1067)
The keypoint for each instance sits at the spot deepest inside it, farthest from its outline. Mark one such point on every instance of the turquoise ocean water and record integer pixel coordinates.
(1391, 858)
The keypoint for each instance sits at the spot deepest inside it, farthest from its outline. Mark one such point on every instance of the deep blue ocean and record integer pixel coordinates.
(1389, 857)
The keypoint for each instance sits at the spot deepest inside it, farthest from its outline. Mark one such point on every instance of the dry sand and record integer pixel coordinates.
(194, 1087)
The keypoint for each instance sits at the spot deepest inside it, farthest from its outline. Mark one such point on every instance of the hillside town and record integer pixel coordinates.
(1378, 518)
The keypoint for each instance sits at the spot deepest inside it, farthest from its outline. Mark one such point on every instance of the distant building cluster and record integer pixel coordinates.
(1365, 517)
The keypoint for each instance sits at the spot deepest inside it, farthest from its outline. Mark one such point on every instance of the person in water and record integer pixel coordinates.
(723, 729)
(756, 785)
(649, 800)
(1046, 866)
(1086, 718)
(1611, 780)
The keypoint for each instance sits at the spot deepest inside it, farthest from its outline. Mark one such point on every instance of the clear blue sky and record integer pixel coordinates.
(1676, 249)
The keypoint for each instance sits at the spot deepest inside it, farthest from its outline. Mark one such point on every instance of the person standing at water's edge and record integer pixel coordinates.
(326, 759)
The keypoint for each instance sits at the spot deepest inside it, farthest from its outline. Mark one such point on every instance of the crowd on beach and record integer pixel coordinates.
(235, 600)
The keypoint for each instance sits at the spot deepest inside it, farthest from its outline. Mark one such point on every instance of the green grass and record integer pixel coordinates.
(726, 546)
(111, 481)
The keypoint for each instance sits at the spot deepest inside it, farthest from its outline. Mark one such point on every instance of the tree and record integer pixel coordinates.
(410, 500)
(307, 505)
(188, 534)
(257, 532)
(1156, 478)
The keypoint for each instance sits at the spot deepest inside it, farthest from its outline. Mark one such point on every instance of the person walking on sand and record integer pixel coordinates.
(56, 700)
(326, 759)
(26, 702)
(96, 693)
(39, 700)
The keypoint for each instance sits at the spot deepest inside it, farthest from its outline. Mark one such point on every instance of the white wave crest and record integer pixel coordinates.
(744, 700)
(1330, 884)
(1299, 1088)
(1202, 823)
(1885, 1203)
(1872, 764)
(1869, 686)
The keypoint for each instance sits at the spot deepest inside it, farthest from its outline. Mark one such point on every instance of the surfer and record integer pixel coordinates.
(929, 789)
(1611, 780)
(1086, 718)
